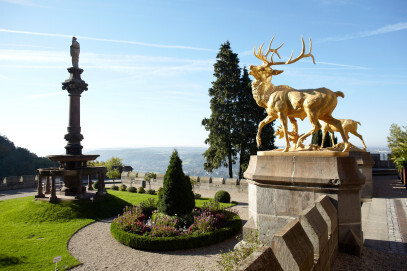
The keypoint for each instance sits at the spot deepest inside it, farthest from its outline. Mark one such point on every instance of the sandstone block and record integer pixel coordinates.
(292, 248)
(317, 231)
(218, 181)
(262, 259)
(205, 180)
(11, 181)
(231, 181)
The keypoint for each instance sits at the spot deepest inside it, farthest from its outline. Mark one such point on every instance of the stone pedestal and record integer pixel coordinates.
(281, 185)
(365, 163)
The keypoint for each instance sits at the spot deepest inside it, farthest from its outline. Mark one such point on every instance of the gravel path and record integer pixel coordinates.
(95, 247)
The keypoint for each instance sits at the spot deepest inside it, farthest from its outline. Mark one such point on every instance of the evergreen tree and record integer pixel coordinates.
(222, 123)
(176, 196)
(248, 116)
(317, 139)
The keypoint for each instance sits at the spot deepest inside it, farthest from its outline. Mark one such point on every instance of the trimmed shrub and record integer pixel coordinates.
(197, 196)
(152, 243)
(222, 196)
(123, 187)
(114, 187)
(96, 185)
(149, 206)
(132, 189)
(141, 190)
(176, 196)
(151, 191)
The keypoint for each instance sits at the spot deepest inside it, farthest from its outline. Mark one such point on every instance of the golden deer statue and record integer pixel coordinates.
(284, 102)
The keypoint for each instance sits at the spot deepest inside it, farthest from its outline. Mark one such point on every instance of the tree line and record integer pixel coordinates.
(16, 161)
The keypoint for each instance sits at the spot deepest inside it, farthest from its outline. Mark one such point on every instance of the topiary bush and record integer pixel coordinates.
(197, 196)
(114, 187)
(132, 189)
(96, 185)
(148, 206)
(222, 196)
(123, 187)
(151, 191)
(176, 196)
(141, 190)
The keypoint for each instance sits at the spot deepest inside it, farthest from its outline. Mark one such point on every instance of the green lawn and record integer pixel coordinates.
(33, 232)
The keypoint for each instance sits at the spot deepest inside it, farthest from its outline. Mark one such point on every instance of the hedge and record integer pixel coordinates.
(176, 242)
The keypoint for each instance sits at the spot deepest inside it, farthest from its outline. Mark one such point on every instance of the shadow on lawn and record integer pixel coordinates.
(10, 260)
(100, 208)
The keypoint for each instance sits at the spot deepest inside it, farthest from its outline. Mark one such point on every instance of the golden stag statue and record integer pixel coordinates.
(286, 102)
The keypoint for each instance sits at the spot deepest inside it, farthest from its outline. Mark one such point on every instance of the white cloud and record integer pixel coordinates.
(108, 40)
(137, 65)
(22, 3)
(363, 34)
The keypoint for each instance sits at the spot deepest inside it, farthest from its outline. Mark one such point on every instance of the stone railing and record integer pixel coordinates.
(18, 182)
(201, 183)
(309, 242)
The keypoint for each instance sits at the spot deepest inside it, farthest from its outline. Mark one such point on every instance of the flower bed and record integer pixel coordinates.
(148, 230)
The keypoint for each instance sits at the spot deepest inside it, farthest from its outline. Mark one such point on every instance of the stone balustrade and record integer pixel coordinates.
(18, 182)
(201, 183)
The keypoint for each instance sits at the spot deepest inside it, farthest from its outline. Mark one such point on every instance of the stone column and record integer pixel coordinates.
(101, 184)
(53, 197)
(281, 185)
(40, 194)
(90, 182)
(75, 86)
(79, 186)
(47, 186)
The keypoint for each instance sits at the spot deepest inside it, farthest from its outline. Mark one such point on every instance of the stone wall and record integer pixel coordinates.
(379, 163)
(201, 183)
(309, 242)
(18, 182)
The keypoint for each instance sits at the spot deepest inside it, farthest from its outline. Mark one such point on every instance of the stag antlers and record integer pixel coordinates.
(263, 57)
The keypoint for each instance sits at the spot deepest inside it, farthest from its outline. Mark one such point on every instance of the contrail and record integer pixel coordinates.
(378, 31)
(107, 40)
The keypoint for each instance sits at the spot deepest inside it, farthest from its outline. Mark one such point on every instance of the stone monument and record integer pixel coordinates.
(282, 183)
(73, 165)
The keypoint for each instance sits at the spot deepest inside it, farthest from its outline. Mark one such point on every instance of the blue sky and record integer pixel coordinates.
(149, 65)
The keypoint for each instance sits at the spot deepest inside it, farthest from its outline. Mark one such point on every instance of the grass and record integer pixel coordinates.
(33, 232)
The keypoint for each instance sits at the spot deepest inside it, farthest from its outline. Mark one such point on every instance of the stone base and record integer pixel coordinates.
(73, 191)
(282, 184)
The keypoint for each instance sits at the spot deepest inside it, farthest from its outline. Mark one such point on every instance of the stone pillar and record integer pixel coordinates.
(365, 164)
(53, 197)
(79, 186)
(282, 184)
(100, 185)
(75, 86)
(90, 182)
(40, 194)
(47, 186)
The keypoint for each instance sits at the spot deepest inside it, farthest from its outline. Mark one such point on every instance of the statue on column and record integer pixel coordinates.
(75, 50)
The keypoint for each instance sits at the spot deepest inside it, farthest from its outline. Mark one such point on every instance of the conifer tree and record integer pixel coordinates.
(176, 196)
(222, 123)
(317, 139)
(248, 116)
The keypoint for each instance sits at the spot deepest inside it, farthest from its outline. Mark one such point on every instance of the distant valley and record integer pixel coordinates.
(156, 159)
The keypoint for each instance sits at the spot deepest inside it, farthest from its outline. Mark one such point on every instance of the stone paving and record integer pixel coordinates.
(384, 219)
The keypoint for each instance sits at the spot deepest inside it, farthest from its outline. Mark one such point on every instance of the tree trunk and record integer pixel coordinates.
(230, 160)
(240, 165)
